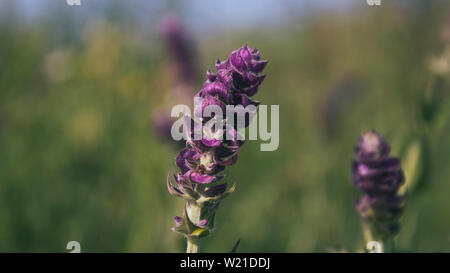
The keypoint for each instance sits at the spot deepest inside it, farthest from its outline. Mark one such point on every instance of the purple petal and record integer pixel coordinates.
(206, 101)
(180, 160)
(245, 53)
(210, 76)
(201, 178)
(372, 146)
(211, 142)
(216, 89)
(178, 220)
(203, 223)
(258, 66)
(236, 61)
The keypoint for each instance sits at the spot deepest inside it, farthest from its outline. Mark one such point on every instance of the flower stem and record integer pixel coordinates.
(367, 232)
(192, 246)
(388, 245)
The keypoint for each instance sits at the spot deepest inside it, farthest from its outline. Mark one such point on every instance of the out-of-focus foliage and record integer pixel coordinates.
(79, 161)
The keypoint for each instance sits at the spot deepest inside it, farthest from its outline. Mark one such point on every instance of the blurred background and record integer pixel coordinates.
(83, 90)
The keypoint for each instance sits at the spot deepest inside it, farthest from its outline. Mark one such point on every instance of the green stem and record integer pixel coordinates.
(367, 232)
(192, 245)
(388, 245)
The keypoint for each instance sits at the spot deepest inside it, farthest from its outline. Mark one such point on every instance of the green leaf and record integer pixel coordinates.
(236, 245)
(411, 166)
(200, 233)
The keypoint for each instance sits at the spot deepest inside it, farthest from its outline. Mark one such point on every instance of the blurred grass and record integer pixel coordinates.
(79, 161)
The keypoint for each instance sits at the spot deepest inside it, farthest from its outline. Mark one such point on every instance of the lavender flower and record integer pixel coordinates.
(180, 49)
(341, 96)
(183, 65)
(379, 177)
(202, 161)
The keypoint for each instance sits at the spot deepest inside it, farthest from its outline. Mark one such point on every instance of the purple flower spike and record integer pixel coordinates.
(201, 162)
(379, 177)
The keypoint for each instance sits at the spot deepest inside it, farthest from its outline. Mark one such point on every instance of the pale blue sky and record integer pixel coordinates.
(199, 15)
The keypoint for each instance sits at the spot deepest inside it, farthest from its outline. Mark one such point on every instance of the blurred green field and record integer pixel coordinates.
(79, 159)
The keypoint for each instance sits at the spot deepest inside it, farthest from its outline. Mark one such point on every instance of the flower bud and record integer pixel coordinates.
(379, 177)
(202, 161)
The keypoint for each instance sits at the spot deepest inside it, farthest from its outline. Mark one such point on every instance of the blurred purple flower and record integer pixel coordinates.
(379, 177)
(180, 48)
(162, 124)
(340, 97)
(183, 65)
